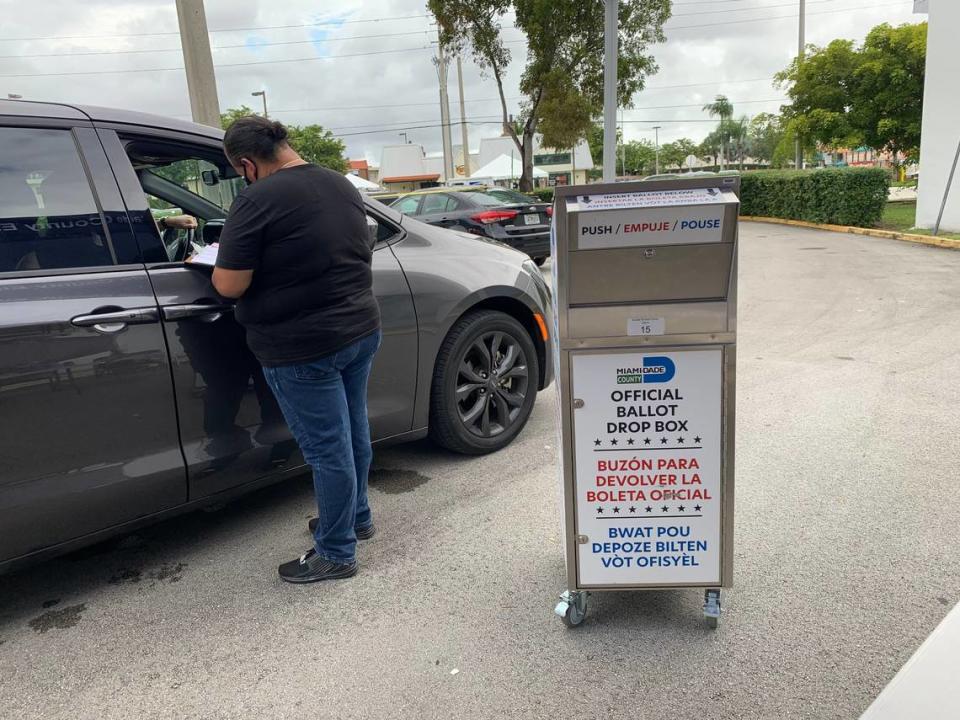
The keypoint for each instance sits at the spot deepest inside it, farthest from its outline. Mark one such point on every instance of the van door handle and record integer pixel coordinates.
(116, 320)
(196, 311)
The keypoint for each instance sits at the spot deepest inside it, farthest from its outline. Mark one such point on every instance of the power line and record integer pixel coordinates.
(747, 9)
(249, 46)
(786, 17)
(220, 65)
(331, 23)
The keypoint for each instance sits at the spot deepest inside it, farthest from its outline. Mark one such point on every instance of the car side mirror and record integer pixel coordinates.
(210, 177)
(373, 227)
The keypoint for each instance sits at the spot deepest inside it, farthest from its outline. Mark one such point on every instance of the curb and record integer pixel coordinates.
(887, 234)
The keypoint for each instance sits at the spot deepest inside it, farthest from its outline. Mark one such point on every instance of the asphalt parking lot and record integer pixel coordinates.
(845, 551)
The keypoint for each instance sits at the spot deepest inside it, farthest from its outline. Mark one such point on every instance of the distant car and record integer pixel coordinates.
(127, 390)
(499, 214)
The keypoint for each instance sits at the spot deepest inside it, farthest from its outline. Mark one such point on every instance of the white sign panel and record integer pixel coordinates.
(653, 198)
(650, 227)
(646, 326)
(647, 470)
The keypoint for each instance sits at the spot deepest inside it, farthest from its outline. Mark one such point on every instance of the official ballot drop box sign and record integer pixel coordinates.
(645, 293)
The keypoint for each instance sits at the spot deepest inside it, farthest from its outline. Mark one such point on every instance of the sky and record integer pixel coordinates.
(363, 68)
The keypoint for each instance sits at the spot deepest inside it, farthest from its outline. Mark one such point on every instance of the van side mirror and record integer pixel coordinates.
(210, 177)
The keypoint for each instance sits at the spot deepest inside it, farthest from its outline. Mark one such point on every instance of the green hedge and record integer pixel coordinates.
(839, 197)
(545, 194)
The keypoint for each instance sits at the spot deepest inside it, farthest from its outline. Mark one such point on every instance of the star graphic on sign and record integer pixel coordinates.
(613, 442)
(681, 508)
(599, 511)
(646, 441)
(680, 440)
(597, 443)
(697, 439)
(630, 441)
(633, 511)
(648, 508)
(616, 510)
(665, 508)
(697, 508)
(663, 441)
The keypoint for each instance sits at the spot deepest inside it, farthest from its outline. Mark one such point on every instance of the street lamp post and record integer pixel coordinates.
(262, 94)
(656, 130)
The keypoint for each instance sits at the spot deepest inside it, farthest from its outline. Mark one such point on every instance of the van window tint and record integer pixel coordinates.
(48, 217)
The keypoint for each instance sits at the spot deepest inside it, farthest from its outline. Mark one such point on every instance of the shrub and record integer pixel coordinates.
(545, 194)
(838, 197)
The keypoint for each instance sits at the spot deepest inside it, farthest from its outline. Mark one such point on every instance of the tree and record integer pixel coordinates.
(319, 146)
(640, 157)
(722, 108)
(595, 141)
(562, 81)
(842, 95)
(675, 154)
(229, 117)
(312, 142)
(764, 136)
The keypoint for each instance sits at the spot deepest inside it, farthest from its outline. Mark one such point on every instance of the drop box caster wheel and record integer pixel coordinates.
(572, 608)
(711, 608)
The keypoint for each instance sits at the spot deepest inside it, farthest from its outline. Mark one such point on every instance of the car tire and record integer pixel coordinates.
(480, 402)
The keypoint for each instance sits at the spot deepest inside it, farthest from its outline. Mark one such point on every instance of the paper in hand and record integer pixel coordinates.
(205, 256)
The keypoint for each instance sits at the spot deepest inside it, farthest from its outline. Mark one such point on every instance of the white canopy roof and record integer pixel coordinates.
(361, 184)
(505, 167)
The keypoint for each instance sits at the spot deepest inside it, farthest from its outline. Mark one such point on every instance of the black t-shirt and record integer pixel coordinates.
(303, 231)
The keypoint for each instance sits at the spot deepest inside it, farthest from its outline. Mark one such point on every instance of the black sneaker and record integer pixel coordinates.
(364, 533)
(310, 567)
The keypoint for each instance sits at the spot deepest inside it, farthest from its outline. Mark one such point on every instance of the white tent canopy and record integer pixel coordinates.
(361, 184)
(505, 167)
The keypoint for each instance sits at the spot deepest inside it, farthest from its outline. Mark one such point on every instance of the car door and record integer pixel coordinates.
(89, 437)
(439, 209)
(393, 378)
(231, 428)
(232, 431)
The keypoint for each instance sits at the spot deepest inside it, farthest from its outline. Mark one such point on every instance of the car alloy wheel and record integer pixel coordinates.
(484, 384)
(492, 382)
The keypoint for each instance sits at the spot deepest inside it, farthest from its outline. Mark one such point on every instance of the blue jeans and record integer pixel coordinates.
(325, 405)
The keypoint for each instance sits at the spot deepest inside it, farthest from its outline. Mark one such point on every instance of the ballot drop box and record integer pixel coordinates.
(645, 288)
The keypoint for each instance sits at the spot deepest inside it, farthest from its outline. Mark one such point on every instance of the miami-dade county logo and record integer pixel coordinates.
(654, 370)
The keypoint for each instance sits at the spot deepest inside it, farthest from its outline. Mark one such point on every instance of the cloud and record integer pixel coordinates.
(369, 75)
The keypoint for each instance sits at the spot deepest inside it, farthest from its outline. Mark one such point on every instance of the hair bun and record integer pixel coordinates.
(278, 131)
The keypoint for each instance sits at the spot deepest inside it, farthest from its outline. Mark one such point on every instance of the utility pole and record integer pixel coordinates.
(198, 61)
(465, 136)
(610, 50)
(801, 52)
(656, 135)
(262, 94)
(441, 62)
(623, 145)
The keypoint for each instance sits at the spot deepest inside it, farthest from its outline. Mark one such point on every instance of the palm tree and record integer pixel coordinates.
(721, 107)
(738, 132)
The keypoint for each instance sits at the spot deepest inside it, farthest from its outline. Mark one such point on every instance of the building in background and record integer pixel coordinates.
(408, 167)
(405, 167)
(360, 168)
(941, 110)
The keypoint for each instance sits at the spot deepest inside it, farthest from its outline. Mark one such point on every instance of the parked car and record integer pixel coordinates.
(524, 225)
(127, 391)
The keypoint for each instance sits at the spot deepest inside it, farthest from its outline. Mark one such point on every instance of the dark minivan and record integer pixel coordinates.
(127, 392)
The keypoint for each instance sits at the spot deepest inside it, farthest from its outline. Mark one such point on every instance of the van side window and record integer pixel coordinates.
(48, 216)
